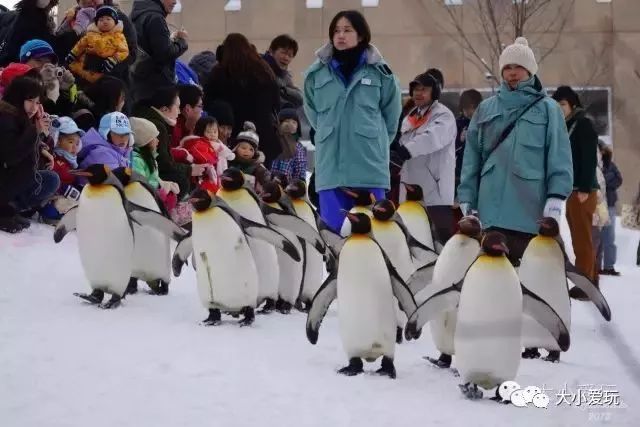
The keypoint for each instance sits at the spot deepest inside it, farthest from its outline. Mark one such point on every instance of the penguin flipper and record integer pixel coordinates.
(156, 220)
(296, 225)
(592, 291)
(445, 300)
(544, 314)
(330, 237)
(181, 255)
(420, 252)
(320, 304)
(421, 278)
(269, 235)
(400, 289)
(66, 224)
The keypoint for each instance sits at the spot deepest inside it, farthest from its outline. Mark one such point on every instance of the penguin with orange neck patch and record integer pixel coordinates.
(365, 285)
(415, 217)
(363, 201)
(490, 302)
(104, 220)
(543, 270)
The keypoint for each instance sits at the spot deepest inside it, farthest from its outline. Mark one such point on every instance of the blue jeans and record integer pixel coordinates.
(332, 201)
(43, 186)
(608, 251)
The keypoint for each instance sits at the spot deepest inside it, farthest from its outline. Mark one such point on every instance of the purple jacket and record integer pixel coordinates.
(96, 149)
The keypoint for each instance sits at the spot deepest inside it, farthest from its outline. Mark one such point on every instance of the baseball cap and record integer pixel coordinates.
(65, 126)
(115, 122)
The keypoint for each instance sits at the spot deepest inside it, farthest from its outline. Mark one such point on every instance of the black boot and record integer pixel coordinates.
(354, 367)
(249, 316)
(530, 353)
(214, 317)
(444, 361)
(268, 306)
(11, 224)
(553, 357)
(387, 368)
(132, 287)
(94, 297)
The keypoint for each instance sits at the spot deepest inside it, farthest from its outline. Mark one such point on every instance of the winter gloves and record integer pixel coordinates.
(109, 64)
(553, 208)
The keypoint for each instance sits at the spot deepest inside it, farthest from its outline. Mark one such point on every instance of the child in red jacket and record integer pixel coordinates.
(202, 147)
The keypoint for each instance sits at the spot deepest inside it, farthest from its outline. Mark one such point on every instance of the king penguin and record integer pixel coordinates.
(365, 285)
(363, 201)
(152, 252)
(313, 259)
(103, 220)
(490, 303)
(543, 271)
(246, 203)
(453, 262)
(416, 219)
(225, 269)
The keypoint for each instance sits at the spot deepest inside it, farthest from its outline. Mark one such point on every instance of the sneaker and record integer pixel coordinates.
(609, 272)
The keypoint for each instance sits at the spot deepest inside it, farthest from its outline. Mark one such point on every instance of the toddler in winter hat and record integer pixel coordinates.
(118, 124)
(247, 142)
(66, 138)
(37, 49)
(519, 53)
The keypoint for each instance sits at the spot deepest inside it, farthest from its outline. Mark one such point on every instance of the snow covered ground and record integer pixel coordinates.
(150, 363)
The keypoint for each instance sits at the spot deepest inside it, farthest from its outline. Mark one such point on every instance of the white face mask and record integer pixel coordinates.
(41, 4)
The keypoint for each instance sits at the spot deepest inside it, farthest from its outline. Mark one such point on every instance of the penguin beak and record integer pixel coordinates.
(226, 178)
(544, 224)
(266, 195)
(501, 247)
(80, 172)
(410, 188)
(350, 193)
(352, 217)
(380, 209)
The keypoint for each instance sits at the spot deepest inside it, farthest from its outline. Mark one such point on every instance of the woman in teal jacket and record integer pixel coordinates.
(353, 101)
(530, 174)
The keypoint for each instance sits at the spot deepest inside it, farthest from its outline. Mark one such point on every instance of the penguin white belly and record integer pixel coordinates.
(314, 262)
(417, 222)
(453, 262)
(365, 301)
(487, 340)
(152, 253)
(291, 271)
(105, 239)
(225, 270)
(264, 254)
(345, 230)
(542, 271)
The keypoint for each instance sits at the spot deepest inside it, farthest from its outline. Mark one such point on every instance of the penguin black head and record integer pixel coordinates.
(548, 227)
(360, 223)
(414, 192)
(271, 192)
(280, 178)
(232, 179)
(95, 174)
(470, 226)
(123, 174)
(201, 199)
(495, 244)
(297, 189)
(384, 210)
(360, 196)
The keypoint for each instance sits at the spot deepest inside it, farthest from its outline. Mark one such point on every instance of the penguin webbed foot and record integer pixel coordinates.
(354, 368)
(114, 302)
(387, 368)
(443, 362)
(553, 357)
(214, 318)
(94, 297)
(531, 353)
(132, 287)
(471, 391)
(249, 317)
(268, 307)
(399, 335)
(159, 287)
(499, 399)
(283, 306)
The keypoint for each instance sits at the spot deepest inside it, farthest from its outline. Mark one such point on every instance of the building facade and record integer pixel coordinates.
(598, 48)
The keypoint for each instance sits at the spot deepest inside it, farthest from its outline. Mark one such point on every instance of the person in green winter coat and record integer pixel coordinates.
(352, 100)
(143, 161)
(530, 174)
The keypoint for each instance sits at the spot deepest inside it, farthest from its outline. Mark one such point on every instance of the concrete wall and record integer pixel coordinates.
(600, 45)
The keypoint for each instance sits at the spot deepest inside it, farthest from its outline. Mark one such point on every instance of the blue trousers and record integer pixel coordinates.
(41, 189)
(607, 252)
(332, 201)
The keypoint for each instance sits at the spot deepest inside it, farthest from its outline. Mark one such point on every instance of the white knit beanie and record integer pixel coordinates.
(519, 53)
(144, 130)
(249, 134)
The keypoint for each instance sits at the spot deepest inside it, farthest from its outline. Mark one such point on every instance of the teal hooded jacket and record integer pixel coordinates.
(354, 124)
(510, 187)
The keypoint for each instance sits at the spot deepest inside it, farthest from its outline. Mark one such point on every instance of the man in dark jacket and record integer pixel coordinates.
(607, 251)
(158, 67)
(280, 54)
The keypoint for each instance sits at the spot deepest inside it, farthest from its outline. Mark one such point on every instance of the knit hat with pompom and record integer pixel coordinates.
(249, 134)
(519, 53)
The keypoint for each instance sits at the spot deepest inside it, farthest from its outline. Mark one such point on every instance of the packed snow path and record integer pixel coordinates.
(64, 363)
